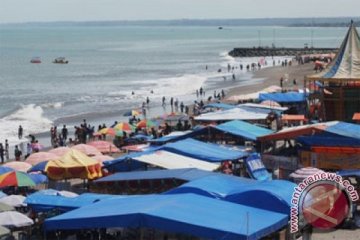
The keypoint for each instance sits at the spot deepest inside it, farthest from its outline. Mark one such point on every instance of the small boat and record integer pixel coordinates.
(220, 28)
(61, 60)
(35, 60)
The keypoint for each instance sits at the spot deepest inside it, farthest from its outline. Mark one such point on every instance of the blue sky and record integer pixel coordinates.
(84, 10)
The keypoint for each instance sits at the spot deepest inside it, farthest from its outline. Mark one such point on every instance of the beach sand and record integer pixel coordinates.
(272, 76)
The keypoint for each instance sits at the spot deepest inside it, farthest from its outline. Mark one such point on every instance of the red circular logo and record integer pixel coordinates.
(325, 206)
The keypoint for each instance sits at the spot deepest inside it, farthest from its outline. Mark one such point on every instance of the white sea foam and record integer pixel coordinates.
(53, 105)
(30, 117)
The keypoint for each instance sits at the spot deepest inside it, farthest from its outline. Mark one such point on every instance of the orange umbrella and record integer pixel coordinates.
(104, 147)
(87, 149)
(59, 151)
(39, 157)
(18, 166)
(124, 127)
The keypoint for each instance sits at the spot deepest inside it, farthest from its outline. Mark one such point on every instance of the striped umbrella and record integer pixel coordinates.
(60, 151)
(146, 124)
(18, 166)
(39, 157)
(124, 127)
(16, 179)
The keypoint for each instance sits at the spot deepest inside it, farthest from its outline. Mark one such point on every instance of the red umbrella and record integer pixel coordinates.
(39, 157)
(59, 151)
(87, 149)
(18, 166)
(104, 147)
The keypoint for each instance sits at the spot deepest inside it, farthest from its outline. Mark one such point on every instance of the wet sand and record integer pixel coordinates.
(272, 76)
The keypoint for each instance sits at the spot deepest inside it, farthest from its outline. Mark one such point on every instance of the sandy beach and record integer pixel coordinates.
(272, 76)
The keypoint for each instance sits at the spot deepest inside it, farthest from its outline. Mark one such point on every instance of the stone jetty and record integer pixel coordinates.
(265, 52)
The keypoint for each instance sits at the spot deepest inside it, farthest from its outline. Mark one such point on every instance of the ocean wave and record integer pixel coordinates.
(30, 117)
(55, 105)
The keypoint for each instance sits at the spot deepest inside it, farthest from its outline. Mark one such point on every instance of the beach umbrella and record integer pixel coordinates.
(110, 132)
(18, 166)
(39, 157)
(16, 179)
(132, 113)
(15, 219)
(40, 167)
(2, 194)
(102, 158)
(123, 126)
(60, 151)
(146, 124)
(4, 169)
(38, 178)
(4, 207)
(270, 103)
(303, 173)
(104, 147)
(13, 200)
(4, 232)
(86, 149)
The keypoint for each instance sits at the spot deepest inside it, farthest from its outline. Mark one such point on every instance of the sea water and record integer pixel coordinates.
(108, 63)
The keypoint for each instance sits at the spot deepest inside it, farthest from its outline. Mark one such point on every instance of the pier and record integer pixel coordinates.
(266, 52)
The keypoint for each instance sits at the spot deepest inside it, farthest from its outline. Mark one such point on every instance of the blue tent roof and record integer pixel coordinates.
(256, 168)
(288, 97)
(220, 105)
(42, 202)
(272, 195)
(218, 186)
(181, 213)
(320, 140)
(345, 129)
(205, 151)
(243, 129)
(187, 174)
(349, 173)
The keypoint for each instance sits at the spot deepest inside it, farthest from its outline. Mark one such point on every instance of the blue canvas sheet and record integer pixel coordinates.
(43, 202)
(180, 213)
(349, 173)
(256, 168)
(220, 106)
(288, 97)
(273, 195)
(243, 129)
(186, 174)
(326, 141)
(205, 151)
(345, 129)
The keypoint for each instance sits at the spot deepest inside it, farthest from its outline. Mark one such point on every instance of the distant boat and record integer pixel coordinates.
(220, 28)
(61, 60)
(35, 60)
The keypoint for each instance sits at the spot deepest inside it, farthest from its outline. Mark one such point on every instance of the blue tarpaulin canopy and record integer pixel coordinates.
(186, 174)
(180, 213)
(209, 152)
(220, 106)
(43, 202)
(288, 97)
(256, 168)
(243, 129)
(349, 173)
(308, 141)
(275, 194)
(345, 129)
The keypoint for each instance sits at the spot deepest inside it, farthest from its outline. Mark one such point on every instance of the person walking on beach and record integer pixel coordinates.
(182, 107)
(222, 93)
(197, 93)
(147, 101)
(171, 102)
(233, 77)
(201, 91)
(163, 101)
(7, 150)
(176, 104)
(2, 151)
(64, 133)
(17, 153)
(281, 82)
(294, 82)
(20, 132)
